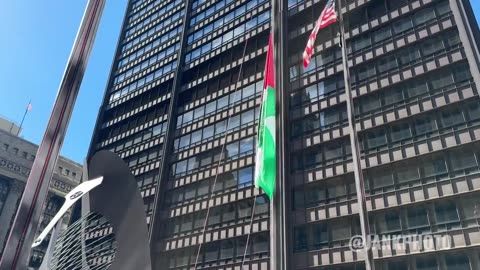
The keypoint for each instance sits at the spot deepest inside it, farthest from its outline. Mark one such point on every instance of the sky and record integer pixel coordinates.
(37, 37)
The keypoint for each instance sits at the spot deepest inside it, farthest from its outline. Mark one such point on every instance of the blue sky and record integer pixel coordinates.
(37, 37)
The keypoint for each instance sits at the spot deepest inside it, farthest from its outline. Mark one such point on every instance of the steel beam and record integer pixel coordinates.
(356, 154)
(24, 227)
(278, 223)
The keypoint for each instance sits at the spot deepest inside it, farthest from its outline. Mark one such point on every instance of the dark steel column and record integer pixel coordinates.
(17, 249)
(284, 138)
(85, 211)
(356, 154)
(155, 226)
(278, 246)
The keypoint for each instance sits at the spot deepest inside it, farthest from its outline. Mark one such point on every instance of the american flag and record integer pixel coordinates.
(29, 107)
(327, 17)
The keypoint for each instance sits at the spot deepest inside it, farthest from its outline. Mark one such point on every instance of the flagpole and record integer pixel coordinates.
(23, 119)
(24, 227)
(357, 165)
(278, 256)
(273, 210)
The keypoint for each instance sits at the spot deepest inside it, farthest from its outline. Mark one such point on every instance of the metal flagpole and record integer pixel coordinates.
(277, 207)
(357, 165)
(23, 119)
(24, 227)
(273, 214)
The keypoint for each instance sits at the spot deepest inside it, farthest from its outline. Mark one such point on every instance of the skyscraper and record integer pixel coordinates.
(182, 104)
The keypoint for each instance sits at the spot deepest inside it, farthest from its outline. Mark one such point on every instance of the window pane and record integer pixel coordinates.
(427, 263)
(409, 55)
(416, 89)
(402, 25)
(341, 231)
(446, 212)
(203, 189)
(262, 205)
(208, 132)
(457, 262)
(473, 111)
(400, 132)
(471, 208)
(215, 214)
(451, 118)
(301, 239)
(392, 97)
(432, 46)
(376, 139)
(211, 252)
(417, 217)
(234, 122)
(246, 145)
(441, 81)
(382, 34)
(220, 127)
(245, 177)
(407, 173)
(398, 265)
(248, 117)
(245, 208)
(196, 136)
(382, 179)
(388, 222)
(423, 126)
(232, 150)
(260, 244)
(387, 63)
(462, 160)
(424, 15)
(434, 167)
(320, 234)
(333, 151)
(228, 212)
(226, 251)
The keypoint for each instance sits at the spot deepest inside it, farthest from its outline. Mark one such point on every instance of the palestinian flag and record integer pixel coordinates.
(266, 157)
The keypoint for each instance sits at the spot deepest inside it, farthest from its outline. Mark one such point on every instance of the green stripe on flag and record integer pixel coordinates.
(265, 167)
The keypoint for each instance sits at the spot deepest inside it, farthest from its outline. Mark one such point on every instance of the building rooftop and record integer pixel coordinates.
(9, 126)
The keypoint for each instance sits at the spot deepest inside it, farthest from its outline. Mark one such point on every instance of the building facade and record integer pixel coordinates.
(16, 160)
(182, 105)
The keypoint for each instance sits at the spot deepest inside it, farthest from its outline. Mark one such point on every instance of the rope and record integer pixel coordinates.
(220, 160)
(249, 231)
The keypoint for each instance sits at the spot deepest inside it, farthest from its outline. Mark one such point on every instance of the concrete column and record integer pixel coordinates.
(9, 210)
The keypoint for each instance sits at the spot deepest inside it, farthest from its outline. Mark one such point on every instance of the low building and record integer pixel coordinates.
(16, 160)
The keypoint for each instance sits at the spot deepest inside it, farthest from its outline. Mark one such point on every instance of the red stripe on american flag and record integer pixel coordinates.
(327, 17)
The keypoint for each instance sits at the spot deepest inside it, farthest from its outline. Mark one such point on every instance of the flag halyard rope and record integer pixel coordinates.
(201, 240)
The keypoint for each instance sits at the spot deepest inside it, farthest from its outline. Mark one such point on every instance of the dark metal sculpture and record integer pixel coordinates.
(118, 199)
(114, 195)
